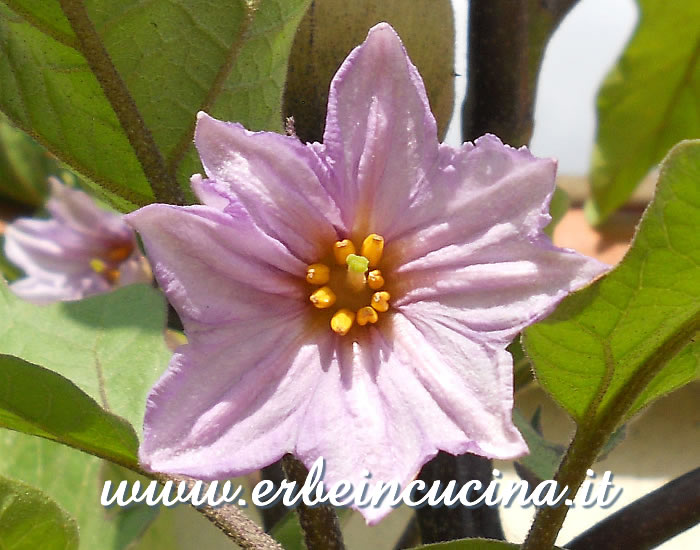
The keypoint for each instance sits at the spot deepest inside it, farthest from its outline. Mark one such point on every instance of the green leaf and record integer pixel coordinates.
(40, 402)
(544, 457)
(632, 335)
(24, 166)
(29, 520)
(111, 346)
(471, 544)
(74, 480)
(174, 58)
(649, 101)
(558, 207)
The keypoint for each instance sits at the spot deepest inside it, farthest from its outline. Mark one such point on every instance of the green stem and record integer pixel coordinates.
(591, 436)
(164, 186)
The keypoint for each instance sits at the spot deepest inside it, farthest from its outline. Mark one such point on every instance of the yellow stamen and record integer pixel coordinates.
(342, 321)
(318, 274)
(342, 249)
(323, 298)
(372, 248)
(380, 300)
(97, 265)
(375, 279)
(366, 315)
(119, 253)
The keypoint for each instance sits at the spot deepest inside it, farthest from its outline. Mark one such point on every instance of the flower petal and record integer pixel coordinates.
(474, 189)
(494, 286)
(78, 210)
(46, 247)
(409, 393)
(232, 402)
(380, 136)
(59, 287)
(217, 267)
(276, 177)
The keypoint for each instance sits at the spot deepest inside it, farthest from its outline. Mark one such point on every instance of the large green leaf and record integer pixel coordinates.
(74, 480)
(632, 336)
(29, 520)
(111, 346)
(650, 101)
(174, 57)
(40, 402)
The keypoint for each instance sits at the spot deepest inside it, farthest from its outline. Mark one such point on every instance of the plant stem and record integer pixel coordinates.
(320, 524)
(228, 518)
(271, 515)
(591, 435)
(507, 39)
(648, 521)
(443, 524)
(164, 186)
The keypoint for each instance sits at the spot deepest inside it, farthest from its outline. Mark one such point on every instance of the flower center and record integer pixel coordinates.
(351, 284)
(107, 265)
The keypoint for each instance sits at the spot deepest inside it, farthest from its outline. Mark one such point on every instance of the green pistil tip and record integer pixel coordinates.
(358, 264)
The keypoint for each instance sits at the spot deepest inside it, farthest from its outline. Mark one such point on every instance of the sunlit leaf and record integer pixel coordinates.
(40, 402)
(111, 346)
(74, 481)
(649, 102)
(632, 336)
(29, 519)
(174, 57)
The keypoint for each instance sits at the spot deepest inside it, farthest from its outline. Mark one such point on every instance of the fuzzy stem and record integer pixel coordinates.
(228, 518)
(320, 524)
(592, 434)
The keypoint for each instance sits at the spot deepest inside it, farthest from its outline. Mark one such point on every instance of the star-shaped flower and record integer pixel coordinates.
(351, 300)
(81, 250)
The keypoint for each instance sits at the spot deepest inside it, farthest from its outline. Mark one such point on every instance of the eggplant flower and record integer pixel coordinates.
(81, 250)
(350, 300)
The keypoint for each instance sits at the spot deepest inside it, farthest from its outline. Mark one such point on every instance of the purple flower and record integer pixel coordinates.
(351, 299)
(80, 251)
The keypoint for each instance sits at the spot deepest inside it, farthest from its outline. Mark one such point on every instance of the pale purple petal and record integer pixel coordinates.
(76, 210)
(57, 254)
(277, 179)
(217, 267)
(380, 136)
(502, 288)
(47, 247)
(477, 189)
(58, 287)
(232, 401)
(400, 396)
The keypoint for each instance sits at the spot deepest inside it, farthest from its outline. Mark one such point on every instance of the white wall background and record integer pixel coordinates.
(579, 55)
